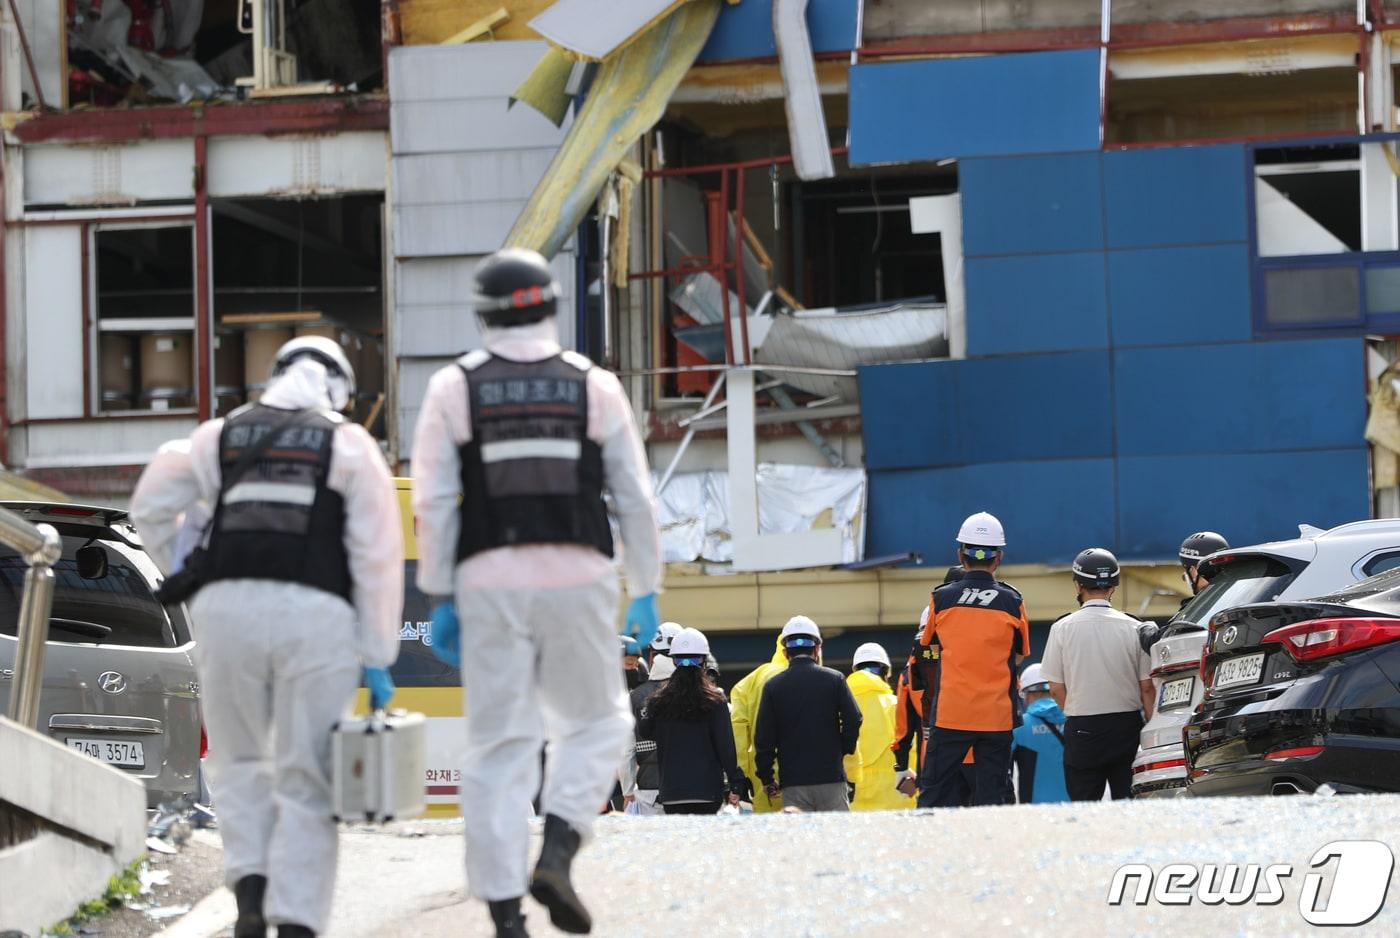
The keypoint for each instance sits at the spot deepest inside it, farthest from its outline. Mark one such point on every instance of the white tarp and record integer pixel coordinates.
(843, 339)
(694, 509)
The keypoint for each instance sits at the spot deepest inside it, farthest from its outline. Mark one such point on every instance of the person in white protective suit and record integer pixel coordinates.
(515, 446)
(299, 584)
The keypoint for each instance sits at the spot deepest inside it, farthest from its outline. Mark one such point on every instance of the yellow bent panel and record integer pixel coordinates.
(627, 98)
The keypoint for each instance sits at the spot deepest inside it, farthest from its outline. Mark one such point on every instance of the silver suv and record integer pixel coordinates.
(119, 681)
(1314, 563)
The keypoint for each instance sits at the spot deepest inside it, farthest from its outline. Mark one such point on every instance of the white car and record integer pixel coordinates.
(1314, 563)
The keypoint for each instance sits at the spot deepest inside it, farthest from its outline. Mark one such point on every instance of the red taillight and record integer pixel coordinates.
(1185, 664)
(1164, 764)
(203, 742)
(1297, 752)
(1323, 638)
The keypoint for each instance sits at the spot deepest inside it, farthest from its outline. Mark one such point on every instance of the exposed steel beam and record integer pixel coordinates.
(319, 115)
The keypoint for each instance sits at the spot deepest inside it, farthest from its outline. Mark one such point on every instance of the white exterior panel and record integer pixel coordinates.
(103, 441)
(53, 305)
(123, 174)
(297, 165)
(464, 165)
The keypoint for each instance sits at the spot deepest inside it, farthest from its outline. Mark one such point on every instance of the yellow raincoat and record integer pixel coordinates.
(874, 777)
(743, 715)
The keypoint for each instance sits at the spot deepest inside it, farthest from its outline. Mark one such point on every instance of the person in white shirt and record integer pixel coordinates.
(1098, 674)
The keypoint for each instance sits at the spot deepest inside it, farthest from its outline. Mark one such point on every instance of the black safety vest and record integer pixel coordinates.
(530, 474)
(280, 520)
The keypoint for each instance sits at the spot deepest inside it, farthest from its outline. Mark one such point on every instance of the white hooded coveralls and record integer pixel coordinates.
(279, 662)
(539, 635)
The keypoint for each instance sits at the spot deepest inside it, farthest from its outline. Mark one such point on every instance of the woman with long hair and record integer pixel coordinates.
(689, 722)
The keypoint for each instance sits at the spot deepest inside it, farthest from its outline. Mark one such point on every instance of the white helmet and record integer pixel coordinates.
(870, 653)
(665, 634)
(803, 630)
(1033, 679)
(329, 355)
(982, 530)
(690, 644)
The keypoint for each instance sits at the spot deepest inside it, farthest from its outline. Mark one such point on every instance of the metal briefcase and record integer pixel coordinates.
(377, 766)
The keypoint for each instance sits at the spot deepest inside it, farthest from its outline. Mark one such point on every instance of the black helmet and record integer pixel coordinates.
(955, 574)
(1096, 569)
(1199, 546)
(514, 287)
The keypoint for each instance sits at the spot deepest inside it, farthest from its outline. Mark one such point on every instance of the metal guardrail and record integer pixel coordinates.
(40, 547)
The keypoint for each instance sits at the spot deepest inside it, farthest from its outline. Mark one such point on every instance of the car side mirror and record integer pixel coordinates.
(92, 562)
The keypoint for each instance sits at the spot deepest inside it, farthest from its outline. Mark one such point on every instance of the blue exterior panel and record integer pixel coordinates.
(1268, 396)
(1032, 407)
(1038, 102)
(745, 30)
(995, 410)
(1249, 498)
(1169, 296)
(911, 415)
(1175, 195)
(1036, 303)
(922, 509)
(1029, 204)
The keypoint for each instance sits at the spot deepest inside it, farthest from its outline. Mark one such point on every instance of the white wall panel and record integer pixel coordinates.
(53, 308)
(124, 174)
(124, 441)
(297, 165)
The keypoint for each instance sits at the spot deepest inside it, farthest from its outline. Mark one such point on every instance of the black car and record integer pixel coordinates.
(1299, 694)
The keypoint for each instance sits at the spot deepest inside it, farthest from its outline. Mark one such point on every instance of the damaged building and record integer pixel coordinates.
(1114, 271)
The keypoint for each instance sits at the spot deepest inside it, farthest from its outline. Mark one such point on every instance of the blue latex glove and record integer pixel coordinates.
(447, 634)
(381, 687)
(642, 619)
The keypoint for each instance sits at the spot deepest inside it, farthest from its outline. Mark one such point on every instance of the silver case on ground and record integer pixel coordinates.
(377, 767)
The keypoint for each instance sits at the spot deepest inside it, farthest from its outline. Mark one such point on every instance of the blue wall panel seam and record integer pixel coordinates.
(1112, 363)
(1169, 246)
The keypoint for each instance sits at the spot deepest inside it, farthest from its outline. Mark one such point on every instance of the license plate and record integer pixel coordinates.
(1176, 693)
(116, 752)
(1245, 669)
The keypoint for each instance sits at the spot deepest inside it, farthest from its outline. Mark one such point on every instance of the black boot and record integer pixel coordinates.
(248, 892)
(551, 885)
(294, 931)
(510, 921)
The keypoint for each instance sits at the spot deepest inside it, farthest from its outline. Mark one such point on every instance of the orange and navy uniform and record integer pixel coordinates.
(979, 628)
(908, 719)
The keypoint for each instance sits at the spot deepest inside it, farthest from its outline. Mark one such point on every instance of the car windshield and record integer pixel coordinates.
(1243, 581)
(116, 609)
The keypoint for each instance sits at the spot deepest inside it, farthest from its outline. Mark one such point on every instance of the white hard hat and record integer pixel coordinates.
(689, 642)
(870, 653)
(800, 626)
(1031, 677)
(665, 634)
(982, 530)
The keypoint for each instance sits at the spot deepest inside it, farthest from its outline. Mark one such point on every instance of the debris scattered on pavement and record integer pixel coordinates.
(168, 911)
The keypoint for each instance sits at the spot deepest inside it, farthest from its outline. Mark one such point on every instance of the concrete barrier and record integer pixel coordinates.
(88, 822)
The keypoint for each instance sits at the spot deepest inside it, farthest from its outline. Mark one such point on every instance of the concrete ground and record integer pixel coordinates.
(1026, 870)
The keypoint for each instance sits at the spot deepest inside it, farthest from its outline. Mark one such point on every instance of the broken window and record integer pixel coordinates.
(855, 244)
(144, 317)
(1272, 87)
(285, 268)
(1308, 200)
(153, 51)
